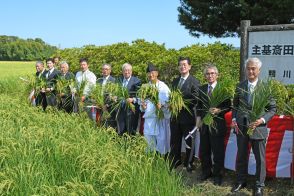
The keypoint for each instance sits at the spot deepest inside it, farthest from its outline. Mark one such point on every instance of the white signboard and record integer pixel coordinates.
(276, 51)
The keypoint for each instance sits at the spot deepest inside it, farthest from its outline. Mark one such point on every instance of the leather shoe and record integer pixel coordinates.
(258, 191)
(217, 180)
(238, 187)
(205, 176)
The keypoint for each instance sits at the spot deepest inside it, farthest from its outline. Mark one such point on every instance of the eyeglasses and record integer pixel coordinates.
(212, 73)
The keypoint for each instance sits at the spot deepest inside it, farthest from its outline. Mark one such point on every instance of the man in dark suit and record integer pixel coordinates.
(212, 137)
(65, 98)
(241, 124)
(51, 78)
(127, 120)
(185, 122)
(41, 75)
(107, 78)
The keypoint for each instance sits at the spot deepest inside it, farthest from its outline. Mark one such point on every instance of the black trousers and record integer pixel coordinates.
(178, 130)
(258, 148)
(211, 144)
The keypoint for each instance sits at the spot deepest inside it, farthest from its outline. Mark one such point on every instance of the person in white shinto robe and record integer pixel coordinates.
(156, 131)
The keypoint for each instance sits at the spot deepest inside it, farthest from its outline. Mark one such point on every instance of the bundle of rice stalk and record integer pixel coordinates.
(80, 87)
(98, 97)
(119, 94)
(224, 90)
(40, 84)
(151, 92)
(260, 99)
(176, 102)
(62, 85)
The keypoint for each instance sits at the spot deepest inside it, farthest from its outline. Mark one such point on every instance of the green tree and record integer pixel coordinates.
(222, 18)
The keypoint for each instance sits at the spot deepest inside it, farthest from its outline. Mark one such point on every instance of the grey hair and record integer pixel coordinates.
(64, 63)
(40, 62)
(106, 64)
(210, 66)
(255, 61)
(125, 65)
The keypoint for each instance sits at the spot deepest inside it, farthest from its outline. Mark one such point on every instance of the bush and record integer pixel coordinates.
(140, 52)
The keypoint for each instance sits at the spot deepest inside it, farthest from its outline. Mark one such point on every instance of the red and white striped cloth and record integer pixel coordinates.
(279, 148)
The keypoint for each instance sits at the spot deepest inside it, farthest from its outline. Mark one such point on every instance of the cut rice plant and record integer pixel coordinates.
(119, 94)
(34, 86)
(150, 91)
(260, 100)
(223, 91)
(77, 90)
(176, 103)
(63, 90)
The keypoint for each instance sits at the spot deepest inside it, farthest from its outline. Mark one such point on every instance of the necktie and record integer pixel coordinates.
(181, 83)
(210, 90)
(125, 83)
(250, 93)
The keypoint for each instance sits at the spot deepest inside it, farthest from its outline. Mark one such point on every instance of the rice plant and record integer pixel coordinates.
(223, 91)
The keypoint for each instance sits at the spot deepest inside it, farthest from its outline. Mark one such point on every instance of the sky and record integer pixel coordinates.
(75, 23)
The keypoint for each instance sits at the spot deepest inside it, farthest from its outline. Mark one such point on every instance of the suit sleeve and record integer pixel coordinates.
(270, 110)
(236, 101)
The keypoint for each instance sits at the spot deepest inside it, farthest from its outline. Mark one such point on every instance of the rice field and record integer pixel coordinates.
(54, 153)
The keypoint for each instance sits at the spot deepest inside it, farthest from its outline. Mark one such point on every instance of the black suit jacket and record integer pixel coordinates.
(52, 78)
(43, 75)
(133, 86)
(203, 107)
(51, 83)
(240, 102)
(189, 91)
(110, 79)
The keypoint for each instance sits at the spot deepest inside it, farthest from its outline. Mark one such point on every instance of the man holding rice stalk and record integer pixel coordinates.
(154, 98)
(185, 121)
(86, 80)
(214, 102)
(64, 80)
(107, 78)
(127, 118)
(40, 78)
(253, 107)
(51, 79)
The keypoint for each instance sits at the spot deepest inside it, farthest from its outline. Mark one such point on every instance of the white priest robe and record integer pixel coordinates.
(157, 131)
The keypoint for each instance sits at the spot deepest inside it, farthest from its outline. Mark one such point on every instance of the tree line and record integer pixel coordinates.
(13, 48)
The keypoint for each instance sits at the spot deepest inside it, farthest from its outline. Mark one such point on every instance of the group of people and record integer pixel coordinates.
(164, 135)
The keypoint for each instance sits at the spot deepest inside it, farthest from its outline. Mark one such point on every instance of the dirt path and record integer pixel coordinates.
(273, 186)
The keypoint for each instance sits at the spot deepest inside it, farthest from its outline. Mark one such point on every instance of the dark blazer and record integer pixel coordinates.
(133, 86)
(203, 107)
(41, 97)
(66, 102)
(43, 74)
(241, 101)
(110, 79)
(190, 93)
(68, 75)
(51, 82)
(127, 117)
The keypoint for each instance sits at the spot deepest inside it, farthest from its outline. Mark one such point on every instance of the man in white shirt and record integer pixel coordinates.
(85, 75)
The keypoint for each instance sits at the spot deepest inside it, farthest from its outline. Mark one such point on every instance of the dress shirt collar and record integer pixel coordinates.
(252, 83)
(185, 78)
(213, 84)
